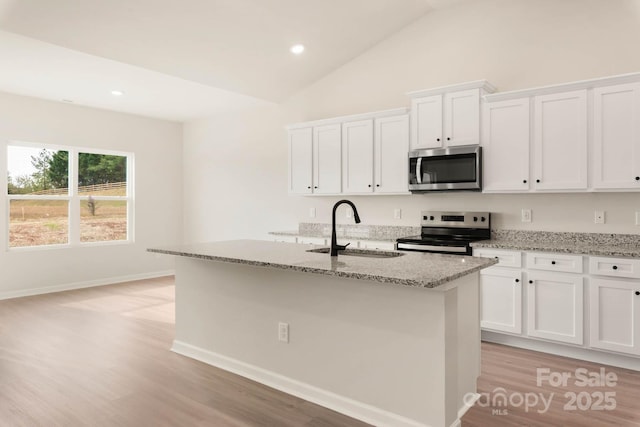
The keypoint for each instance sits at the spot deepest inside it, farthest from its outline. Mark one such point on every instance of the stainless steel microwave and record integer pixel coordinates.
(446, 169)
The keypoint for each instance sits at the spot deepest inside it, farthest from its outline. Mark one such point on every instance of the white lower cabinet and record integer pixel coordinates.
(501, 300)
(555, 305)
(614, 309)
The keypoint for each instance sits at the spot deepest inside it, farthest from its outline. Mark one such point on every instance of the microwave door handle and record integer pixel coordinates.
(419, 170)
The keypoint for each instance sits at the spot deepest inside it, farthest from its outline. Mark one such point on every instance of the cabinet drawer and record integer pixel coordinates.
(505, 258)
(554, 262)
(614, 267)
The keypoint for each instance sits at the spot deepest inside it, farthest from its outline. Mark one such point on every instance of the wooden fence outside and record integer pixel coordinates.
(83, 189)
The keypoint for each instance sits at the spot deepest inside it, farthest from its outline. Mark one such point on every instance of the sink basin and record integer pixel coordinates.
(359, 252)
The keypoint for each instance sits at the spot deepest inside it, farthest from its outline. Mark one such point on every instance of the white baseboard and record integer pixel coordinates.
(344, 405)
(586, 354)
(83, 284)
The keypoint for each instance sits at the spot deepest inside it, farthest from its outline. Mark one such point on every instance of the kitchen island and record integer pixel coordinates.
(389, 340)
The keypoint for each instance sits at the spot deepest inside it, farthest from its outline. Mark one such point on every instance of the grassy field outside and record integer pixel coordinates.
(46, 222)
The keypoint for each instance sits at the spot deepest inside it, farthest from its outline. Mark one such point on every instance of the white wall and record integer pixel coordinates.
(515, 44)
(157, 146)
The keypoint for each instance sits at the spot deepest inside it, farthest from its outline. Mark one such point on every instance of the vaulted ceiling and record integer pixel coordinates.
(188, 57)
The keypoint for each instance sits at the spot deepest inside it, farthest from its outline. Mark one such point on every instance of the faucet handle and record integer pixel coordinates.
(342, 247)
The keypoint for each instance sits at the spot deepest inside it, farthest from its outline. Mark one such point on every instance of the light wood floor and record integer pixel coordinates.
(100, 357)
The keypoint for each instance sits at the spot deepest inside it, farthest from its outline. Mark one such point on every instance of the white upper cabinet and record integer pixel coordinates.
(560, 141)
(426, 128)
(390, 154)
(462, 118)
(357, 156)
(360, 154)
(327, 159)
(447, 116)
(505, 142)
(300, 161)
(616, 137)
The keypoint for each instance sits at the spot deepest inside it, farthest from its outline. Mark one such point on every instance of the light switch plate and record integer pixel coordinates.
(599, 217)
(312, 212)
(397, 213)
(526, 215)
(637, 217)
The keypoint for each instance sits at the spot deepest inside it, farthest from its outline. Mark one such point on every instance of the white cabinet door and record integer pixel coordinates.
(505, 143)
(555, 306)
(501, 300)
(426, 122)
(390, 153)
(560, 141)
(300, 161)
(615, 315)
(327, 166)
(462, 118)
(357, 157)
(616, 137)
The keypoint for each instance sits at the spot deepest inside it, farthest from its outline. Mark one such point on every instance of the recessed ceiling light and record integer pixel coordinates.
(117, 92)
(297, 49)
(68, 100)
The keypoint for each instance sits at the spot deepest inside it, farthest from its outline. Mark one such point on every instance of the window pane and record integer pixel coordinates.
(38, 222)
(102, 175)
(103, 220)
(37, 171)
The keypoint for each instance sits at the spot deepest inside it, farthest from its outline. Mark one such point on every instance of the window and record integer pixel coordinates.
(68, 196)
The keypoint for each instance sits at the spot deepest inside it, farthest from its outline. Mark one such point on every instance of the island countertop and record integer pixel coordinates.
(411, 269)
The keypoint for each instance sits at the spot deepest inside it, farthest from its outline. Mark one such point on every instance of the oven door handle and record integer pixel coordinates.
(419, 170)
(426, 248)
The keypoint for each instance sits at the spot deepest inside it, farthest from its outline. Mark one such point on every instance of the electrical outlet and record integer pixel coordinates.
(598, 217)
(312, 212)
(637, 217)
(349, 212)
(397, 213)
(283, 332)
(526, 215)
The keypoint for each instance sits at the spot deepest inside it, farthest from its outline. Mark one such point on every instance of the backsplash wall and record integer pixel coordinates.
(550, 212)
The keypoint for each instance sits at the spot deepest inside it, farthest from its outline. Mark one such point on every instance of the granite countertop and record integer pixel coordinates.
(411, 269)
(598, 244)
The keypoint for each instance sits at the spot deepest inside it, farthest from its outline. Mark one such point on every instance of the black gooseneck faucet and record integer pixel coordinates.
(335, 247)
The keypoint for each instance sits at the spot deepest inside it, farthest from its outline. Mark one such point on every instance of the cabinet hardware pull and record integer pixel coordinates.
(315, 186)
(615, 267)
(553, 263)
(637, 178)
(537, 180)
(530, 281)
(438, 139)
(448, 139)
(524, 181)
(517, 280)
(377, 185)
(637, 292)
(369, 185)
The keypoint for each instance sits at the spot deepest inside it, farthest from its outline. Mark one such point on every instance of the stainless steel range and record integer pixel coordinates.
(448, 232)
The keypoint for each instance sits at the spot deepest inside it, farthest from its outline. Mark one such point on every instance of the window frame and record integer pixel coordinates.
(73, 198)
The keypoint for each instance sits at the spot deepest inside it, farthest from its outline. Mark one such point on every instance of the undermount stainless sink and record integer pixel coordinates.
(359, 252)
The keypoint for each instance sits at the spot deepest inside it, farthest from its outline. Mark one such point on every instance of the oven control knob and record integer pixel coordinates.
(431, 217)
(483, 219)
(475, 218)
